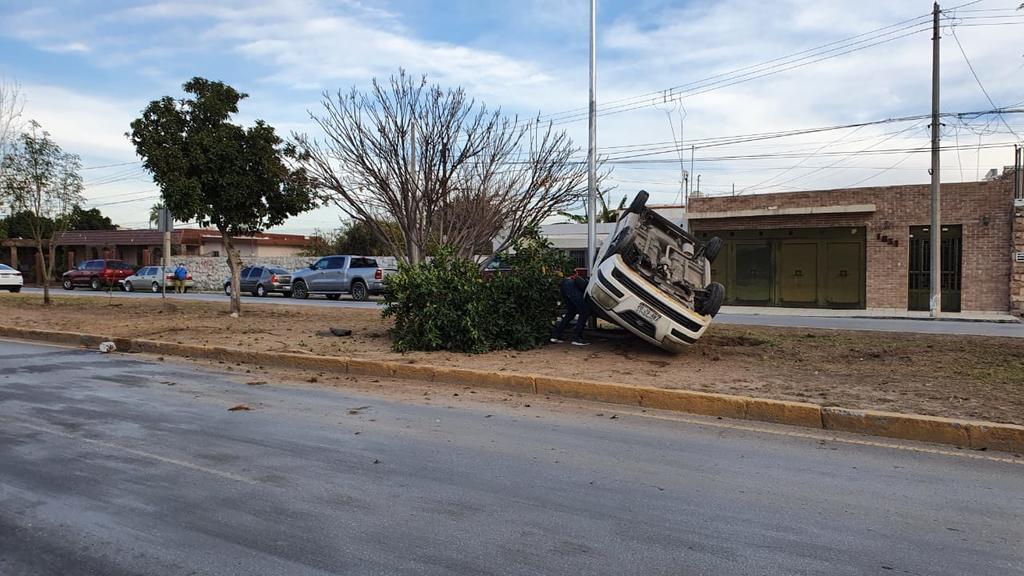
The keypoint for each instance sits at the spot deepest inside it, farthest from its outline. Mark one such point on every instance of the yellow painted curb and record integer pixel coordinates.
(965, 433)
(584, 390)
(894, 425)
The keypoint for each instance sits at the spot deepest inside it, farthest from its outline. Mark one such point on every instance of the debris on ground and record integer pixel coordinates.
(238, 407)
(358, 410)
(108, 347)
(335, 331)
(256, 382)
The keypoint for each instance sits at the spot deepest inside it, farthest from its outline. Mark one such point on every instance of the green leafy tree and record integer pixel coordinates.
(91, 219)
(213, 171)
(19, 225)
(42, 183)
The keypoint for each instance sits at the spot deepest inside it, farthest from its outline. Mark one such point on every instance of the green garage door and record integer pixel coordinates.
(752, 271)
(809, 267)
(798, 273)
(843, 280)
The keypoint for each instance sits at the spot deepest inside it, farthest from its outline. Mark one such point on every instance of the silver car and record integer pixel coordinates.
(150, 278)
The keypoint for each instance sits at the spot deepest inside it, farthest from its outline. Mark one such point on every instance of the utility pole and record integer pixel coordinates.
(692, 149)
(698, 186)
(592, 148)
(166, 223)
(935, 243)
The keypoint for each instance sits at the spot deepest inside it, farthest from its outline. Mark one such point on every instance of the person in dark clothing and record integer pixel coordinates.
(574, 298)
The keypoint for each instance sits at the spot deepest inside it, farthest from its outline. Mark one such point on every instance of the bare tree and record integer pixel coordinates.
(441, 167)
(11, 106)
(43, 182)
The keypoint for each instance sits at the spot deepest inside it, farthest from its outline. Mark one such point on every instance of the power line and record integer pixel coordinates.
(978, 80)
(635, 99)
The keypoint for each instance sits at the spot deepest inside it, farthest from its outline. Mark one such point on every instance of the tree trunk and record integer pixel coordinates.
(42, 267)
(235, 266)
(48, 265)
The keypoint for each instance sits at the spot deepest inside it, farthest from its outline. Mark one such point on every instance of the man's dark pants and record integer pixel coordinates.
(575, 304)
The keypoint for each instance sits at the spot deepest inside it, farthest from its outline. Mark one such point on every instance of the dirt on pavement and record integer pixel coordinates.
(954, 376)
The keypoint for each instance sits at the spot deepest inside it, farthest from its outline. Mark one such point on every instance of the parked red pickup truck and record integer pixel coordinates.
(97, 274)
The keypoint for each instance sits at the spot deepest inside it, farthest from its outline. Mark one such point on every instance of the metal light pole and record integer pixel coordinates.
(592, 148)
(935, 243)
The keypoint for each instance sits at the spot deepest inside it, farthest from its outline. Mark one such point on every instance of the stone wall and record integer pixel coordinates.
(209, 272)
(1017, 270)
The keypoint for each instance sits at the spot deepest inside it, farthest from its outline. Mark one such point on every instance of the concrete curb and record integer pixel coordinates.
(979, 435)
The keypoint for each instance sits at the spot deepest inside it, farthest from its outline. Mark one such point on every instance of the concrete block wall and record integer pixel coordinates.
(209, 272)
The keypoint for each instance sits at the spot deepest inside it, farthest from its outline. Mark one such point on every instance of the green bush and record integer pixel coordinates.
(447, 304)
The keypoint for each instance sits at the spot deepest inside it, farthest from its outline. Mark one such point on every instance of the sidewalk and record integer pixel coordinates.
(885, 313)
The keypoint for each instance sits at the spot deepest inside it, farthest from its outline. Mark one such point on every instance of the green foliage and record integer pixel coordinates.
(521, 305)
(19, 225)
(448, 304)
(211, 170)
(91, 219)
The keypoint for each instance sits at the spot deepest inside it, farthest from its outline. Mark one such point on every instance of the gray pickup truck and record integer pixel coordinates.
(333, 276)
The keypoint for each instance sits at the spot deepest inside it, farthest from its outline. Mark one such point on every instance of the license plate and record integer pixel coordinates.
(648, 313)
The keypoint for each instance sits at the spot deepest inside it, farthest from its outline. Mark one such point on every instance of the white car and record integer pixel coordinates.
(10, 279)
(654, 279)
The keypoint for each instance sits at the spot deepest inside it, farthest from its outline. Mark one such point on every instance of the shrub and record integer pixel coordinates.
(447, 304)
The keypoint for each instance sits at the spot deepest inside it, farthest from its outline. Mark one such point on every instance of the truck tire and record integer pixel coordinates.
(95, 284)
(711, 301)
(639, 201)
(712, 247)
(359, 292)
(300, 291)
(68, 285)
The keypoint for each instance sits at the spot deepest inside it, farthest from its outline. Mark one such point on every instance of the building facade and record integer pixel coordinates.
(861, 248)
(867, 247)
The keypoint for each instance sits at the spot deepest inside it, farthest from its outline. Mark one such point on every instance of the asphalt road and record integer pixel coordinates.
(879, 324)
(114, 464)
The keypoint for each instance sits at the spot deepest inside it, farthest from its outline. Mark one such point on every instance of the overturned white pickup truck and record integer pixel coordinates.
(654, 279)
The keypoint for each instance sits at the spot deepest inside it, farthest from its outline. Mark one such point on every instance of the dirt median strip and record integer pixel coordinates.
(979, 435)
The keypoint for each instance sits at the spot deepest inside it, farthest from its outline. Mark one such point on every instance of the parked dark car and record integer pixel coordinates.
(97, 274)
(262, 280)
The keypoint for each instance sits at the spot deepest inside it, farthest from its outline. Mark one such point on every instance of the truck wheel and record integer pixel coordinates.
(639, 201)
(15, 289)
(260, 291)
(711, 301)
(712, 247)
(95, 284)
(300, 291)
(227, 289)
(68, 285)
(359, 293)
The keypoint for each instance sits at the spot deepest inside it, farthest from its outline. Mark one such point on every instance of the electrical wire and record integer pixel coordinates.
(978, 80)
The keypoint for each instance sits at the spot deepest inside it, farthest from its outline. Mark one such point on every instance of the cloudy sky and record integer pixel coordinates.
(734, 67)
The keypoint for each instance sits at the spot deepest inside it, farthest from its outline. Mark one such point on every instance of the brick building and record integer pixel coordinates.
(869, 247)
